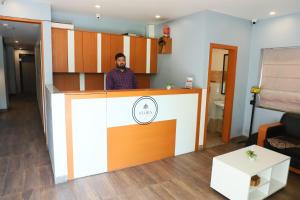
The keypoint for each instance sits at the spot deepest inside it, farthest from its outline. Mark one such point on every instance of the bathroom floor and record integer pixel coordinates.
(214, 133)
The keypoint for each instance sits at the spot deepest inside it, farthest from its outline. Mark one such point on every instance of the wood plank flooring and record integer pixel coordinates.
(25, 169)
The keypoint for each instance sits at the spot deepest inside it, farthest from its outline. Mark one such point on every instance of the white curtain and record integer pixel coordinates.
(280, 79)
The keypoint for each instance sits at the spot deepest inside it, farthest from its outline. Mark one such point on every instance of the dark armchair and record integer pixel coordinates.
(283, 137)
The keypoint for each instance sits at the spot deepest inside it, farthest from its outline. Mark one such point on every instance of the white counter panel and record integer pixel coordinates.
(89, 136)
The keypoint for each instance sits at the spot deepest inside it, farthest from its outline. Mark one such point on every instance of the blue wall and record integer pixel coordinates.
(276, 32)
(89, 22)
(192, 36)
(187, 52)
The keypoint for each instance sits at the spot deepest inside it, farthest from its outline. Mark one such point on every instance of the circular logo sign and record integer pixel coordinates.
(144, 110)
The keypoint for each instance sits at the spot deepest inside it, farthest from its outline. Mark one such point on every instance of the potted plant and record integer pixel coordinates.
(251, 155)
(169, 86)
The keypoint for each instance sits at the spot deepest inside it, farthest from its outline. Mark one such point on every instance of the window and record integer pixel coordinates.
(280, 79)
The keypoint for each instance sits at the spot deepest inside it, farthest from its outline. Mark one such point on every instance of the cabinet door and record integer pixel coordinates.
(143, 81)
(94, 82)
(116, 46)
(78, 51)
(89, 49)
(105, 52)
(60, 50)
(66, 81)
(138, 52)
(153, 56)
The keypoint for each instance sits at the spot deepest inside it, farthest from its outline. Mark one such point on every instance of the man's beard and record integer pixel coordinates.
(121, 66)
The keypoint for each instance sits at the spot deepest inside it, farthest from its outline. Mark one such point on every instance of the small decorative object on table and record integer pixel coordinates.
(169, 86)
(189, 83)
(251, 154)
(255, 181)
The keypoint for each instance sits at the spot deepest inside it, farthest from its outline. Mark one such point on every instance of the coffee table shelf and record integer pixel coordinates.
(263, 181)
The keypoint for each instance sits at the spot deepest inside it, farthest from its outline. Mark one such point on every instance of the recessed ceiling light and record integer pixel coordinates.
(16, 41)
(272, 13)
(157, 16)
(5, 24)
(97, 6)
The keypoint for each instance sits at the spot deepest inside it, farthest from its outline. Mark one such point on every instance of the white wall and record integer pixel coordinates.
(11, 71)
(47, 52)
(3, 88)
(89, 22)
(28, 9)
(192, 36)
(38, 73)
(271, 33)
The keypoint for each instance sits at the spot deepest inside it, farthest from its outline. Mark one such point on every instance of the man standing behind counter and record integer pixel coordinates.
(120, 77)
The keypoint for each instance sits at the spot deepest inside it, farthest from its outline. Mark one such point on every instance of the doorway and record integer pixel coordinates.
(27, 74)
(24, 72)
(220, 93)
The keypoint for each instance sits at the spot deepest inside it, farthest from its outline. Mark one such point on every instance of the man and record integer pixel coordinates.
(120, 77)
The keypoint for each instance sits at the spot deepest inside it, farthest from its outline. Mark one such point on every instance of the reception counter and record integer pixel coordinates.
(100, 131)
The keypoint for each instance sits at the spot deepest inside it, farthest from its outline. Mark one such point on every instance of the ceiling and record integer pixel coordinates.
(26, 34)
(145, 10)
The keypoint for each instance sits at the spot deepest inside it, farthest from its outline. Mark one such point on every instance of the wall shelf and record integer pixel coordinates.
(167, 47)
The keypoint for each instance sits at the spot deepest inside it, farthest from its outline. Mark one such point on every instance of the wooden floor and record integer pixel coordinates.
(25, 170)
(214, 133)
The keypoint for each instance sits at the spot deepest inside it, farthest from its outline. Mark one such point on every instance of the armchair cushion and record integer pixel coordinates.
(284, 142)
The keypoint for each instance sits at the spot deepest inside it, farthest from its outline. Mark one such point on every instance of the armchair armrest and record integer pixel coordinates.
(263, 132)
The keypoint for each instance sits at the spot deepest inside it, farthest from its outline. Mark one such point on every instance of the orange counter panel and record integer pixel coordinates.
(138, 144)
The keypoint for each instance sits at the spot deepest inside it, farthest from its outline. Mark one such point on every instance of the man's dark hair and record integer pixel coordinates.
(119, 55)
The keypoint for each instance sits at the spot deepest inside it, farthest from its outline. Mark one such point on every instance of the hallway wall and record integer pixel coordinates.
(3, 86)
(11, 70)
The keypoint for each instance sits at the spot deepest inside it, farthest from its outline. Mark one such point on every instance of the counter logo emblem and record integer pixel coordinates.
(144, 110)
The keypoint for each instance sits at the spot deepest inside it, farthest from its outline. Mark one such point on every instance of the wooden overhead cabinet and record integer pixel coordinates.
(79, 67)
(153, 56)
(89, 50)
(138, 54)
(143, 55)
(116, 46)
(59, 50)
(105, 52)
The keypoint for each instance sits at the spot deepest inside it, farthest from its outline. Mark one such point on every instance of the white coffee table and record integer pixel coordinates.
(232, 172)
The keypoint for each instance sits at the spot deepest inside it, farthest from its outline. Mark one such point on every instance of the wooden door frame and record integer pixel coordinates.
(229, 90)
(40, 23)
